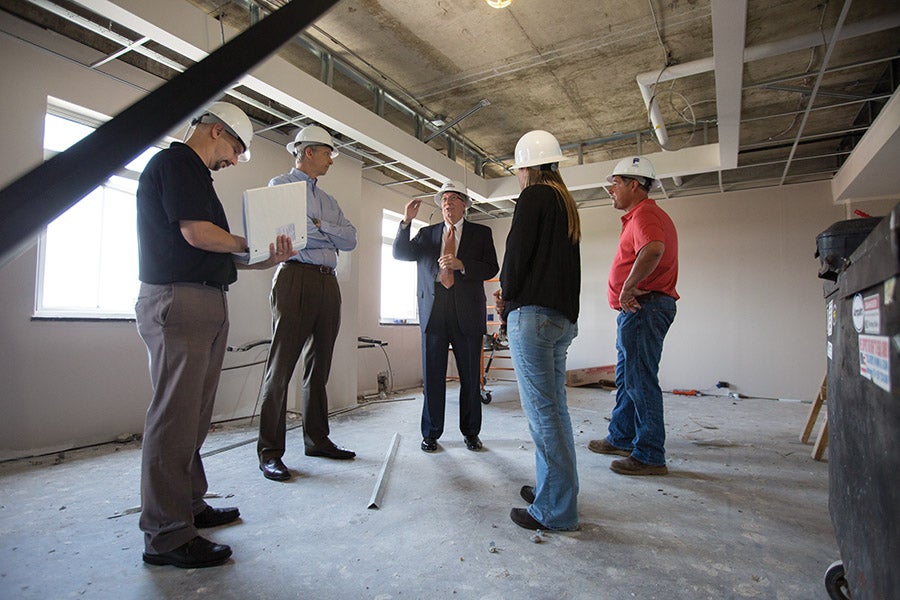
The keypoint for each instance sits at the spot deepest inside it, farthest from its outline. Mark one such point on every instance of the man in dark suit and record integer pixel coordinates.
(454, 259)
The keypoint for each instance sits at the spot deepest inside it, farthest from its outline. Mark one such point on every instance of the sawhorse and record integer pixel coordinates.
(822, 437)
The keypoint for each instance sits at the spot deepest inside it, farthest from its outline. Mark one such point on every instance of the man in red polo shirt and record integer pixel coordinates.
(642, 288)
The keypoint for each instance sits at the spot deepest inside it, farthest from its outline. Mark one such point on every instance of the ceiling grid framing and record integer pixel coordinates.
(833, 40)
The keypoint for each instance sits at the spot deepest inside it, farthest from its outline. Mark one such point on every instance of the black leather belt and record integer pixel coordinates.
(311, 267)
(219, 286)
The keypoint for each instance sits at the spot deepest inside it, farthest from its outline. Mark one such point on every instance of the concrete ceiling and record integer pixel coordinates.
(743, 93)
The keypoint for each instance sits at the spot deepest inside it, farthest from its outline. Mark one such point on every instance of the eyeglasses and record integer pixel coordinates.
(448, 196)
(235, 144)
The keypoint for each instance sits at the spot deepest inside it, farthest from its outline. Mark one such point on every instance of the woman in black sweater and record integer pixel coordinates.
(540, 287)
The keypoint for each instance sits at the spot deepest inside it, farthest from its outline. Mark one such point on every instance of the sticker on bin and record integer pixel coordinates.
(858, 313)
(829, 317)
(872, 314)
(875, 361)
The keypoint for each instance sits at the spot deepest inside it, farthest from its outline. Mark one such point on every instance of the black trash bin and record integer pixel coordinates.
(835, 245)
(863, 348)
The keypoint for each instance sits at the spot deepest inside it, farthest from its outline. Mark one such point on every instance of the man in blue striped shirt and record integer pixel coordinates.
(306, 312)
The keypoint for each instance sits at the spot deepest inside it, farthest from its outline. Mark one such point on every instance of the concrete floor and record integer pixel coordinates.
(742, 514)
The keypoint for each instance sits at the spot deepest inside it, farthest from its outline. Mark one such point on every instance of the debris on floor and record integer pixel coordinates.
(715, 443)
(604, 376)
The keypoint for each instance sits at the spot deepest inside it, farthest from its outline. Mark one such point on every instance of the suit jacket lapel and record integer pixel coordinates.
(437, 238)
(464, 239)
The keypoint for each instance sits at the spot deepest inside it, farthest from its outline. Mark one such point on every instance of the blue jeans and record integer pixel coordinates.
(637, 419)
(538, 340)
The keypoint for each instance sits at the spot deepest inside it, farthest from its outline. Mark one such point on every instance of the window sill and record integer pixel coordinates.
(85, 318)
(398, 323)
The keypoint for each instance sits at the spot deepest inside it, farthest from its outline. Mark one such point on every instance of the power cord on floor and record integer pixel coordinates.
(245, 348)
(367, 342)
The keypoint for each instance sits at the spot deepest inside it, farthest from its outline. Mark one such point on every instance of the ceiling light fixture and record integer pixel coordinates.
(498, 3)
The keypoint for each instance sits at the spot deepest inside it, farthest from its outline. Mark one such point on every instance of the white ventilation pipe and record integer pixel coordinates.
(649, 79)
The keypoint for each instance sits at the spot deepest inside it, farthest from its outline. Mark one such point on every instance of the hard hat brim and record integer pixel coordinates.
(440, 194)
(546, 160)
(291, 147)
(654, 183)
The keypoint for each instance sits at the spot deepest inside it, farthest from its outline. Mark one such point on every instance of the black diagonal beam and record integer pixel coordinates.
(36, 198)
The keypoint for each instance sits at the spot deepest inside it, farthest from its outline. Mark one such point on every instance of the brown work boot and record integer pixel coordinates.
(604, 447)
(632, 466)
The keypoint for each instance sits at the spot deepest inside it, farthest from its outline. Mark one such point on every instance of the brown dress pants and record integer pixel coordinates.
(306, 313)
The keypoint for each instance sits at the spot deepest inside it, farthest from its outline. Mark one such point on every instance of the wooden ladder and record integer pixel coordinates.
(822, 436)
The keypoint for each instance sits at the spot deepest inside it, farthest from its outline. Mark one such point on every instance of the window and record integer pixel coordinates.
(87, 257)
(398, 277)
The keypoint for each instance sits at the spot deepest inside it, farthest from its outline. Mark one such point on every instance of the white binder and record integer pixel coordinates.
(272, 211)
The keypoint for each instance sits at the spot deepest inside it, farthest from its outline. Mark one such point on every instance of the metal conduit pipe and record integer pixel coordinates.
(659, 127)
(649, 79)
(328, 65)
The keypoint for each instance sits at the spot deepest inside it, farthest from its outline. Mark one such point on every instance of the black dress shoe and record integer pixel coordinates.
(327, 449)
(522, 518)
(429, 444)
(275, 470)
(213, 517)
(473, 443)
(195, 554)
(527, 493)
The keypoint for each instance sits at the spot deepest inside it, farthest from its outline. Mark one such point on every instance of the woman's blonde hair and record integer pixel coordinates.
(551, 177)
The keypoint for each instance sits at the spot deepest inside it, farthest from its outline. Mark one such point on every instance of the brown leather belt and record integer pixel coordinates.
(311, 267)
(647, 296)
(650, 296)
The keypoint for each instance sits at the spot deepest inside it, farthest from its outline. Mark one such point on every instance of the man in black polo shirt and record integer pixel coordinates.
(186, 266)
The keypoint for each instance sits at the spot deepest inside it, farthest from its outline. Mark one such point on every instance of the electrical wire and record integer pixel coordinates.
(390, 370)
(689, 106)
(258, 362)
(653, 98)
(667, 54)
(245, 348)
(812, 58)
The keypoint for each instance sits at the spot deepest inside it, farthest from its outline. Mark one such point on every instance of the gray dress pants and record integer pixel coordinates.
(185, 328)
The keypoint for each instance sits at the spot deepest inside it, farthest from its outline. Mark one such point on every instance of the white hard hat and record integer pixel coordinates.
(452, 186)
(311, 135)
(537, 147)
(235, 121)
(634, 166)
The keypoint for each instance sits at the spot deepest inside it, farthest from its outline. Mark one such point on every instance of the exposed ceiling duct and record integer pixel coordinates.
(736, 127)
(728, 30)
